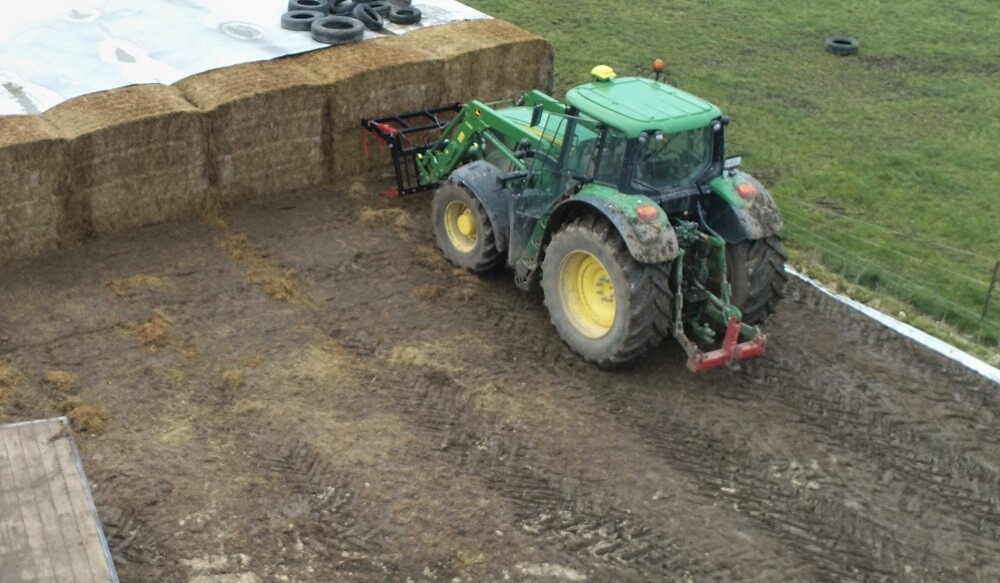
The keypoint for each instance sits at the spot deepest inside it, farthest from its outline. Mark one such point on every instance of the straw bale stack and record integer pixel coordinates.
(266, 124)
(137, 156)
(486, 59)
(366, 80)
(32, 180)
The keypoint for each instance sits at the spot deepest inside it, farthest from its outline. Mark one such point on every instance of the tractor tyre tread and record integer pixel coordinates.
(486, 256)
(650, 302)
(762, 282)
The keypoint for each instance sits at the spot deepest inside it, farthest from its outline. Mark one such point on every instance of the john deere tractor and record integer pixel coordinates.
(620, 203)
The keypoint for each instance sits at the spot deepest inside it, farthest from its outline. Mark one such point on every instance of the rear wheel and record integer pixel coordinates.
(463, 230)
(757, 276)
(606, 306)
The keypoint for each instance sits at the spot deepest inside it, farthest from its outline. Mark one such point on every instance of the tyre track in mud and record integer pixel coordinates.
(848, 541)
(548, 506)
(843, 529)
(339, 524)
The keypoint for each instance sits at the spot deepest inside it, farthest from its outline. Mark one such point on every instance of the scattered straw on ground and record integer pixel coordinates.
(60, 380)
(239, 247)
(129, 286)
(429, 257)
(357, 190)
(233, 379)
(281, 286)
(394, 217)
(429, 293)
(83, 417)
(152, 332)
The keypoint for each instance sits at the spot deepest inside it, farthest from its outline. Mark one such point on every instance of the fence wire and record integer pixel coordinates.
(947, 283)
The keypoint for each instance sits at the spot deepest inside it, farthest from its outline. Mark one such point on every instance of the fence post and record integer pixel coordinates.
(989, 292)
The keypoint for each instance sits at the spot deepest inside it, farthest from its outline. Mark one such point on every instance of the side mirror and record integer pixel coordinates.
(536, 115)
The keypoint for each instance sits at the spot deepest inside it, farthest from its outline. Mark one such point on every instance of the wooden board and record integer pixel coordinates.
(49, 530)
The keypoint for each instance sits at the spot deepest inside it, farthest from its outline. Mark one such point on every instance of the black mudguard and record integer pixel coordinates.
(758, 220)
(482, 179)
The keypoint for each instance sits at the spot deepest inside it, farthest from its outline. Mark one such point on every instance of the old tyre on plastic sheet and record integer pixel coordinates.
(342, 7)
(337, 30)
(757, 276)
(842, 45)
(406, 15)
(369, 16)
(606, 306)
(401, 3)
(316, 5)
(380, 6)
(300, 19)
(463, 229)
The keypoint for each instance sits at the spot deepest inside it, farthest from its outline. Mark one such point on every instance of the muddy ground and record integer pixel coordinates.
(306, 391)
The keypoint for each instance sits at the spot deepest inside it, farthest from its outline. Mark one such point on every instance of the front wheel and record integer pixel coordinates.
(463, 230)
(606, 306)
(757, 276)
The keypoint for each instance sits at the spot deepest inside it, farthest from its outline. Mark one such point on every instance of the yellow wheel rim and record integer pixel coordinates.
(460, 225)
(587, 294)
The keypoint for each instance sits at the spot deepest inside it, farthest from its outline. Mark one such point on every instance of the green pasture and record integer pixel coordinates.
(886, 164)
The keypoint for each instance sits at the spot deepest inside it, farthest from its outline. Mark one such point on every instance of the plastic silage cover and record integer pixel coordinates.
(58, 49)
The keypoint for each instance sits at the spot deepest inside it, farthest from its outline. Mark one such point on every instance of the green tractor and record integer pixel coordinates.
(620, 203)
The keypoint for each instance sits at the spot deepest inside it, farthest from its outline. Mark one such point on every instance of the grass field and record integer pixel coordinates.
(885, 164)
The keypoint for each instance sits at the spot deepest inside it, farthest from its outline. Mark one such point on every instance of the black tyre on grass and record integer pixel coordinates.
(606, 306)
(463, 229)
(757, 276)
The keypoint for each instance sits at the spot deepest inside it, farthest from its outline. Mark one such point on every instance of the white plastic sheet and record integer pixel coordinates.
(919, 336)
(58, 49)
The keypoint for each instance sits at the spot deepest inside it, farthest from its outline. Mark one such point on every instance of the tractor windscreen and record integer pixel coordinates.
(669, 161)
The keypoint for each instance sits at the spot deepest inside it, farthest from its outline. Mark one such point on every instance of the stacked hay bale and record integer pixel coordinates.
(365, 80)
(137, 156)
(486, 59)
(32, 180)
(266, 126)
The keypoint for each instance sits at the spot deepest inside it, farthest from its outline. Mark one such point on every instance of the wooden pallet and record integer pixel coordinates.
(49, 529)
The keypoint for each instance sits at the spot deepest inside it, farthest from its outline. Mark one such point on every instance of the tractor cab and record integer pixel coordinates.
(656, 140)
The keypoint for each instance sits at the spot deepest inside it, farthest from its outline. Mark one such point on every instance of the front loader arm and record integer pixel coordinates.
(458, 143)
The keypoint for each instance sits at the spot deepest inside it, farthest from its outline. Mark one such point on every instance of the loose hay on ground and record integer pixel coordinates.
(60, 380)
(137, 156)
(395, 217)
(266, 125)
(128, 286)
(84, 417)
(232, 379)
(239, 247)
(33, 173)
(153, 331)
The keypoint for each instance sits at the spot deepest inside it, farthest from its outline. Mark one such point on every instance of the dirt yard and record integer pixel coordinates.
(307, 391)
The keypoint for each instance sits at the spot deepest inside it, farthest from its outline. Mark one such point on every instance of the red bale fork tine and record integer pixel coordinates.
(731, 351)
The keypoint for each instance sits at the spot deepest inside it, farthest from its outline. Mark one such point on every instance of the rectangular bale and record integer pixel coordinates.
(488, 60)
(266, 125)
(137, 156)
(33, 171)
(369, 79)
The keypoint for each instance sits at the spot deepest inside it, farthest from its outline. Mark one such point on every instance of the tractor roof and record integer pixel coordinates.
(635, 104)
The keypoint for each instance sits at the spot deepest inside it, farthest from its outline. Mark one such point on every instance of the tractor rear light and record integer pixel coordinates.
(746, 191)
(647, 213)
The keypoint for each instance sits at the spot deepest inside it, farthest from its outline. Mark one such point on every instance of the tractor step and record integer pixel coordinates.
(408, 134)
(731, 351)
